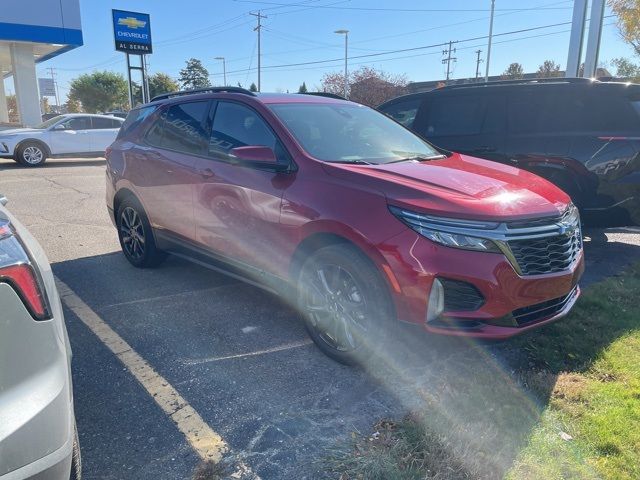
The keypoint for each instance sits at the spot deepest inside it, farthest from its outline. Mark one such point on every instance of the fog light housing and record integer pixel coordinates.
(435, 305)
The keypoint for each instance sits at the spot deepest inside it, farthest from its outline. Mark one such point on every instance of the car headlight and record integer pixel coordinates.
(450, 232)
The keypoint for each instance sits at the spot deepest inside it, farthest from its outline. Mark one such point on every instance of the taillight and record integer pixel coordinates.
(16, 270)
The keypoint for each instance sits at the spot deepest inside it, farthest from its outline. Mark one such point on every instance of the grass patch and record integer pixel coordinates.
(565, 406)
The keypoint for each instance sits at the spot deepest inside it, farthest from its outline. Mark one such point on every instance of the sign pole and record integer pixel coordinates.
(145, 78)
(129, 83)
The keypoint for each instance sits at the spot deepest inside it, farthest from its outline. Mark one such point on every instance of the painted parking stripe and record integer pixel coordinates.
(280, 348)
(208, 444)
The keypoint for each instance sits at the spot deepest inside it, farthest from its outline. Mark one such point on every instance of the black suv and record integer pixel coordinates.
(580, 134)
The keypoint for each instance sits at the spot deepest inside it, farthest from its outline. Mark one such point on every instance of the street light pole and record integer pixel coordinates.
(224, 69)
(493, 7)
(346, 56)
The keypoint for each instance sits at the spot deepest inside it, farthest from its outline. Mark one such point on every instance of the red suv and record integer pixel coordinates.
(356, 220)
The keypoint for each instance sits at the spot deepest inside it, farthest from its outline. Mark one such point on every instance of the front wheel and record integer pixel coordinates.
(31, 154)
(135, 235)
(345, 303)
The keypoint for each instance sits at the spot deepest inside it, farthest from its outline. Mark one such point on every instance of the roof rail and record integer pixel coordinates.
(325, 94)
(523, 81)
(164, 96)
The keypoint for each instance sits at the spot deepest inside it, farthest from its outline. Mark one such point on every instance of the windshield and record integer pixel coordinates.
(50, 122)
(350, 133)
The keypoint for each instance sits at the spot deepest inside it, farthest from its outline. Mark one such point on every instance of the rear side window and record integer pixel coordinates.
(135, 118)
(100, 123)
(235, 125)
(403, 112)
(77, 123)
(529, 112)
(181, 128)
(454, 115)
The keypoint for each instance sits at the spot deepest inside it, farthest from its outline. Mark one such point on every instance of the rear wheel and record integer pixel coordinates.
(135, 235)
(31, 154)
(345, 303)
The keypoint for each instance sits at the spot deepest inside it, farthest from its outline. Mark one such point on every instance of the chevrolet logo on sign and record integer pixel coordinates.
(131, 22)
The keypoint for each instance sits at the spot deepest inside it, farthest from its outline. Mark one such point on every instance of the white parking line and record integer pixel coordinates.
(208, 444)
(288, 346)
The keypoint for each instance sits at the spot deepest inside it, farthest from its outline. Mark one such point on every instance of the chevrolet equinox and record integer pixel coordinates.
(346, 213)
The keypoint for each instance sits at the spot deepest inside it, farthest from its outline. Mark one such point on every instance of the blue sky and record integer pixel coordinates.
(303, 32)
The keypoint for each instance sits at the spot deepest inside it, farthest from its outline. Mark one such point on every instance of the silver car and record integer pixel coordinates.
(38, 437)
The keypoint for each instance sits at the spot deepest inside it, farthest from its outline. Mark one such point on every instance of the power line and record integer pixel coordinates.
(410, 10)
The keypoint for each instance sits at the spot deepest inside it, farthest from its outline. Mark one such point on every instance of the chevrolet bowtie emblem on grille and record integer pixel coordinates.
(131, 22)
(565, 228)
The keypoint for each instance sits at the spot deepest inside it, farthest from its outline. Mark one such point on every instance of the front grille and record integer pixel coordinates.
(460, 296)
(543, 310)
(548, 254)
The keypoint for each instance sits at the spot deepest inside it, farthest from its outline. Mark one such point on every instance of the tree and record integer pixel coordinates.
(628, 13)
(160, 83)
(12, 109)
(253, 87)
(44, 103)
(100, 91)
(367, 85)
(73, 106)
(548, 69)
(513, 72)
(303, 88)
(194, 75)
(626, 69)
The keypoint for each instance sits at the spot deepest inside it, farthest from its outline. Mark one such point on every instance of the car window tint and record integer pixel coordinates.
(403, 112)
(77, 123)
(99, 123)
(495, 116)
(183, 128)
(529, 112)
(455, 115)
(235, 125)
(135, 118)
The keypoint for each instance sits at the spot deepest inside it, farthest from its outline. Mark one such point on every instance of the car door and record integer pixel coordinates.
(71, 136)
(236, 206)
(163, 166)
(470, 122)
(103, 132)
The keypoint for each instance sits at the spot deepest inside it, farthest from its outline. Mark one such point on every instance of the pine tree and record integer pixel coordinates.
(303, 88)
(194, 75)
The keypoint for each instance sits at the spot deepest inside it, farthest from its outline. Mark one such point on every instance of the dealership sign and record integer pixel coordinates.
(132, 32)
(47, 87)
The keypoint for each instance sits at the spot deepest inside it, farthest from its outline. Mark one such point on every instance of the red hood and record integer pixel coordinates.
(460, 186)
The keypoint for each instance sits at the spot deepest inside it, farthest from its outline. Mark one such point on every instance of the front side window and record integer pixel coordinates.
(350, 133)
(183, 129)
(234, 126)
(50, 122)
(77, 123)
(403, 112)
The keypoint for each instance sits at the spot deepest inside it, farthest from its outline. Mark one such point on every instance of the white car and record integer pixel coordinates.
(71, 135)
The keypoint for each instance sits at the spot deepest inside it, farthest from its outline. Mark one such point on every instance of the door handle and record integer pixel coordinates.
(206, 173)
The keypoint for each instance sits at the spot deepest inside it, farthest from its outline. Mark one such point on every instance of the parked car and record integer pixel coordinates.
(352, 217)
(71, 135)
(38, 436)
(580, 134)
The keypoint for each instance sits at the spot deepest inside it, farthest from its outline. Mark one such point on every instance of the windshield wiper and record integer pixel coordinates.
(419, 158)
(358, 162)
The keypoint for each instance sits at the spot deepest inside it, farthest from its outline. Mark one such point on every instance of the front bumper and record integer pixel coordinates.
(415, 262)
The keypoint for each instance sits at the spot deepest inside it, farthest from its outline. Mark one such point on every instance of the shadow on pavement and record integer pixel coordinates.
(53, 163)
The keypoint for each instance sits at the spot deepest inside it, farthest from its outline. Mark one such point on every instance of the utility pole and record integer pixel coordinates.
(449, 58)
(478, 62)
(493, 8)
(346, 56)
(259, 16)
(52, 71)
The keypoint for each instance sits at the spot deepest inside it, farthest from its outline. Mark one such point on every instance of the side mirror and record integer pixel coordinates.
(255, 154)
(3, 200)
(60, 126)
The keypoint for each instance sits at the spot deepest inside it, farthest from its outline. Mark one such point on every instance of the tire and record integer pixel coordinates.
(345, 303)
(136, 236)
(31, 154)
(76, 458)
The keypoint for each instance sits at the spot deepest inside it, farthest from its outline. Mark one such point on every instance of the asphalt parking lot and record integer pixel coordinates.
(237, 355)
